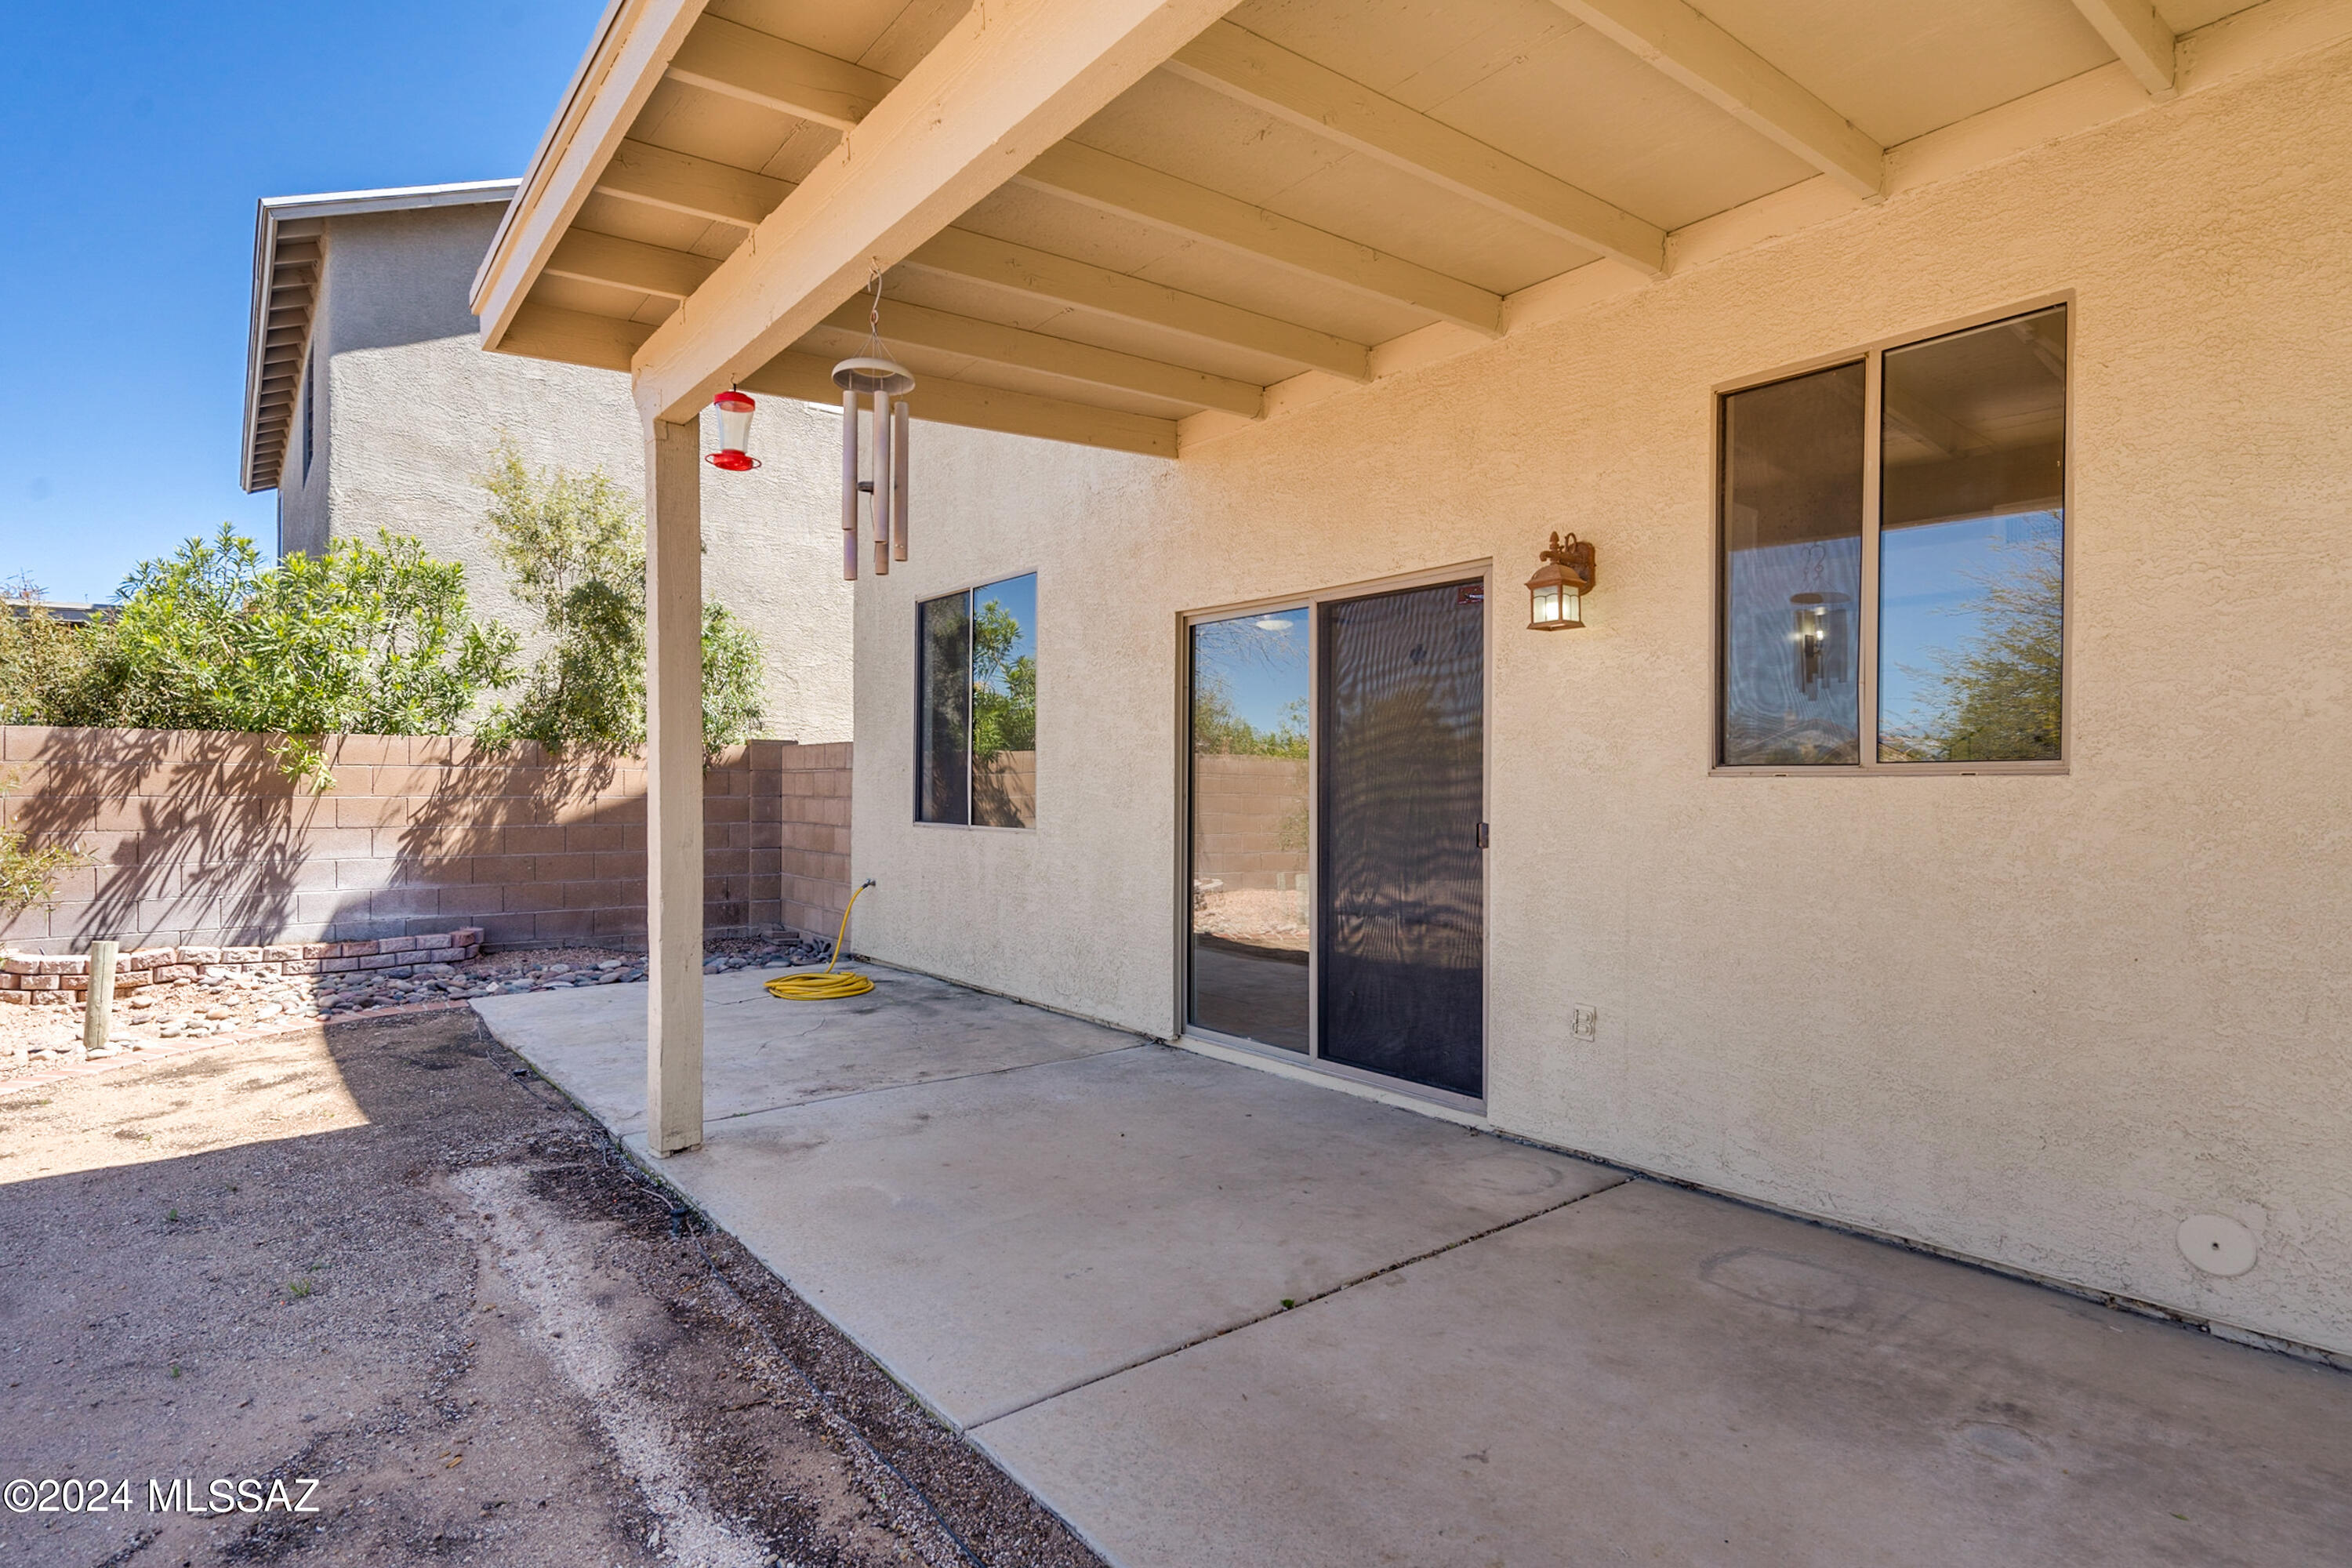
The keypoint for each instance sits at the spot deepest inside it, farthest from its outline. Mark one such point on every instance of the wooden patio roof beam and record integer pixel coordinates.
(2139, 38)
(624, 68)
(977, 258)
(1000, 264)
(681, 183)
(1676, 40)
(1111, 184)
(593, 258)
(987, 99)
(753, 67)
(922, 327)
(948, 401)
(1242, 65)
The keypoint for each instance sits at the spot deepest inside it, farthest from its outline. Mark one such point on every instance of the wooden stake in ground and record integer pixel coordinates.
(98, 1002)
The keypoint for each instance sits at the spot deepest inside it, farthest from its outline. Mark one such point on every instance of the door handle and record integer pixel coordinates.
(1482, 836)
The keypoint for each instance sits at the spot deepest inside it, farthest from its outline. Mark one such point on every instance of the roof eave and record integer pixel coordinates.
(269, 213)
(496, 291)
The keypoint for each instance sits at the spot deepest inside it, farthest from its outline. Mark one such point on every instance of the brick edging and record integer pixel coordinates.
(154, 1050)
(25, 975)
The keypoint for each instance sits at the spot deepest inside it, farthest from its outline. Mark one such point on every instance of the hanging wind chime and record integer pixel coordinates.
(876, 375)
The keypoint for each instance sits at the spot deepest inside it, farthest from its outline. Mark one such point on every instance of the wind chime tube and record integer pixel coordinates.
(900, 417)
(882, 430)
(849, 487)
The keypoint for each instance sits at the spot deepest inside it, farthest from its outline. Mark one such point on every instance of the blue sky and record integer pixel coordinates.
(140, 136)
(1260, 659)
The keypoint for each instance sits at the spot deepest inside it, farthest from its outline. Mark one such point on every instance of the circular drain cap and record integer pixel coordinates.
(2217, 1243)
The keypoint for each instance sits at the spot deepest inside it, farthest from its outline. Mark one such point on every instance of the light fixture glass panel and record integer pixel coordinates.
(1250, 866)
(1004, 703)
(1972, 545)
(1791, 495)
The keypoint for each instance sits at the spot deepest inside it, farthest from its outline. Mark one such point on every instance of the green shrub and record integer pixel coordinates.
(573, 549)
(29, 876)
(367, 638)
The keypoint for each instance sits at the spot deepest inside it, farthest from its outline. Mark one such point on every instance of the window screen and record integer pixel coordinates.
(976, 706)
(943, 710)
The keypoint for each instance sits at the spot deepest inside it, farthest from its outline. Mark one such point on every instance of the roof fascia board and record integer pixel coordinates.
(398, 198)
(625, 63)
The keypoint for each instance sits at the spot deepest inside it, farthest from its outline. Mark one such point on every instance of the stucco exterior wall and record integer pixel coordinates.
(411, 410)
(2033, 1020)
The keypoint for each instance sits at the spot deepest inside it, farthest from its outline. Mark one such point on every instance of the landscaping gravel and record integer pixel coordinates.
(224, 1002)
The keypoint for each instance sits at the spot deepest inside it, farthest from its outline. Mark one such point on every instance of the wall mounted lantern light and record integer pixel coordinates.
(1555, 593)
(877, 376)
(734, 432)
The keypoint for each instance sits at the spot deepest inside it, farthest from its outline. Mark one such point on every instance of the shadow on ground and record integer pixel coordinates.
(387, 1257)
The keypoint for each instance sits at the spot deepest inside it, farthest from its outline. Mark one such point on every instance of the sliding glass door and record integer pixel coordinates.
(1335, 840)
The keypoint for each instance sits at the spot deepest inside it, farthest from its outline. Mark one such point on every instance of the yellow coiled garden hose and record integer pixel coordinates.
(825, 986)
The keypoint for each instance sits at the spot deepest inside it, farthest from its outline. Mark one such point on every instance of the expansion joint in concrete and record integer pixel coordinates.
(1293, 1305)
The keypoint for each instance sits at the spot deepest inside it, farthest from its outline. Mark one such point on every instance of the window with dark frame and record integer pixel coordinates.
(976, 706)
(1921, 625)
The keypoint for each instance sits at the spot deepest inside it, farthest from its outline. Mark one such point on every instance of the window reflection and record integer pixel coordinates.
(1972, 545)
(1792, 508)
(1004, 703)
(1250, 894)
(943, 690)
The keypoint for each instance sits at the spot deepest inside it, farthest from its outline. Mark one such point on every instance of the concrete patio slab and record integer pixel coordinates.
(1077, 1245)
(996, 1239)
(759, 1053)
(1652, 1376)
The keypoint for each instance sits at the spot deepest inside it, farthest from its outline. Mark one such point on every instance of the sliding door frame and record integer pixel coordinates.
(1315, 601)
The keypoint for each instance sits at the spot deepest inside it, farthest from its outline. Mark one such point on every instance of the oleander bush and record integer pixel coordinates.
(366, 638)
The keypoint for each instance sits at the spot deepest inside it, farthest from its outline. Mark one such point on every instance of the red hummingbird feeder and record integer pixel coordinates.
(734, 432)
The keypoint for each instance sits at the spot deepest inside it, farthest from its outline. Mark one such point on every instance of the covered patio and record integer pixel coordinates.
(1216, 1319)
(1928, 828)
(1149, 227)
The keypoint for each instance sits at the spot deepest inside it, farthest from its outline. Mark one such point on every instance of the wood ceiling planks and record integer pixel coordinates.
(1304, 179)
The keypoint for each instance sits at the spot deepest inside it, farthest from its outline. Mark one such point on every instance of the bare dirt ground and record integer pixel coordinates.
(383, 1257)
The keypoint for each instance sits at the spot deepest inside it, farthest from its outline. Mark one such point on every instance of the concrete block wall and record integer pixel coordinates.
(815, 835)
(199, 839)
(1249, 819)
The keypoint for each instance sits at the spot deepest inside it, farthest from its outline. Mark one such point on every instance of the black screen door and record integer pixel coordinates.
(1401, 885)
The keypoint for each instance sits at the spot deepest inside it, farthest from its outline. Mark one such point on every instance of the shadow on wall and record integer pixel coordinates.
(185, 834)
(1004, 789)
(199, 839)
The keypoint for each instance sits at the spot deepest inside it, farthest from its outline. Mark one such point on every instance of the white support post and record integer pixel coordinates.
(674, 785)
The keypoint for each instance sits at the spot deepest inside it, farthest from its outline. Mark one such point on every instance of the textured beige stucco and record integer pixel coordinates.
(2033, 1020)
(411, 410)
